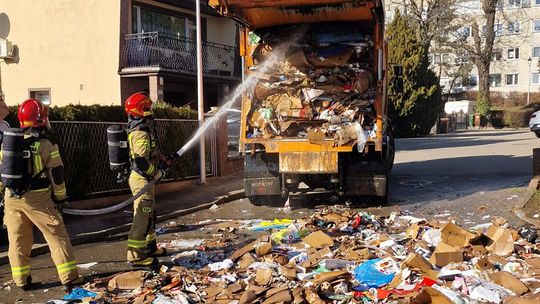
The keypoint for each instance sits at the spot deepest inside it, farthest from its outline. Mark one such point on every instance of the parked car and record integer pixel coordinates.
(534, 123)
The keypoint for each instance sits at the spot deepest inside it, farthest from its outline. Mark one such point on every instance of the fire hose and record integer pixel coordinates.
(123, 204)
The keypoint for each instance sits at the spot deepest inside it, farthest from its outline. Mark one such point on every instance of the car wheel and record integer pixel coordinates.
(537, 133)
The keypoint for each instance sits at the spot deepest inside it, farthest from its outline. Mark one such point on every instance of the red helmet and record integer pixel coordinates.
(32, 113)
(138, 105)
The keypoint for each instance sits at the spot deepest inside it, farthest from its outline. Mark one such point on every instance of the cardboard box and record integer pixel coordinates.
(503, 241)
(445, 254)
(456, 236)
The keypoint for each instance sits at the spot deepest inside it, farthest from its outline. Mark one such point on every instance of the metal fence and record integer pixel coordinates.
(179, 54)
(83, 146)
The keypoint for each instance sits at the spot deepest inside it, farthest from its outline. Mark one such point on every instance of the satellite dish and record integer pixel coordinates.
(4, 26)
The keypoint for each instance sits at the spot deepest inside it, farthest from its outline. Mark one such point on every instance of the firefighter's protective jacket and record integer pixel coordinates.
(143, 151)
(47, 161)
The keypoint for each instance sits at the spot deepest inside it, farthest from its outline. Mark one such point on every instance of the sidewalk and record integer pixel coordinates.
(172, 200)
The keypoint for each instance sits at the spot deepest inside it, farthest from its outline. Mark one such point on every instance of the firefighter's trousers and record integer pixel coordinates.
(21, 214)
(142, 236)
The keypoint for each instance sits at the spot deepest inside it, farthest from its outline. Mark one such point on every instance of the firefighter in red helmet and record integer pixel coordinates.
(147, 164)
(33, 175)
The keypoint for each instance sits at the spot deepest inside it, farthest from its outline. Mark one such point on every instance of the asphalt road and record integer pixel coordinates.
(469, 177)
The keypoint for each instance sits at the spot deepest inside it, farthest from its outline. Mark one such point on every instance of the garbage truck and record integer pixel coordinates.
(315, 115)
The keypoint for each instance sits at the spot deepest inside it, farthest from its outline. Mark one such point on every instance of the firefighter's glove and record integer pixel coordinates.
(171, 160)
(160, 174)
(60, 204)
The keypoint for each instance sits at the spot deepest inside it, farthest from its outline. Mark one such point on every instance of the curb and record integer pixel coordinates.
(101, 235)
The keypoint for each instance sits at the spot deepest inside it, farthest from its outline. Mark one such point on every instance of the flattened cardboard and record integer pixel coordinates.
(503, 241)
(318, 239)
(247, 297)
(456, 236)
(329, 276)
(263, 276)
(212, 291)
(240, 252)
(245, 261)
(508, 281)
(127, 280)
(445, 254)
(430, 295)
(288, 272)
(534, 262)
(283, 296)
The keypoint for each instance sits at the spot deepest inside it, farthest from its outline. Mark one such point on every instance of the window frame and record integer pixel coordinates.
(514, 32)
(515, 79)
(491, 80)
(532, 51)
(516, 54)
(538, 78)
(536, 29)
(32, 94)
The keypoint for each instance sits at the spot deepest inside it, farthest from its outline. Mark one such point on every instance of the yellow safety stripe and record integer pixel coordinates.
(66, 267)
(150, 237)
(55, 154)
(151, 170)
(38, 164)
(20, 271)
(142, 142)
(41, 190)
(136, 243)
(60, 192)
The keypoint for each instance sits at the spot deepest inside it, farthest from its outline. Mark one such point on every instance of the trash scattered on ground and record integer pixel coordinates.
(337, 255)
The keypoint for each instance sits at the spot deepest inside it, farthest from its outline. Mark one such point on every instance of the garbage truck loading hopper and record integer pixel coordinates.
(322, 112)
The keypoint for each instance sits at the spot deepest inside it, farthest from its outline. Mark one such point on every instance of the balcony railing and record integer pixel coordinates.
(178, 54)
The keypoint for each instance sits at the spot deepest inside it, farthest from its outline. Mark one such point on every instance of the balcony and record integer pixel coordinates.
(158, 52)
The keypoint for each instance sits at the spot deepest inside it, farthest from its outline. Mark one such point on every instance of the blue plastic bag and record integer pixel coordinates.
(80, 293)
(369, 276)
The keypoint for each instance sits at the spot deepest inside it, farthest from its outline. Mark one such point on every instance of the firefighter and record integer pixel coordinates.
(32, 200)
(146, 164)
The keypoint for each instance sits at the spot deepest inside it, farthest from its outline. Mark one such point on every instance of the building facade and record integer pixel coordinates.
(516, 55)
(99, 52)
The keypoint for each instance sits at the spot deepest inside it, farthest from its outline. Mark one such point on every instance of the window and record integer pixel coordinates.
(430, 58)
(535, 78)
(43, 95)
(437, 58)
(464, 58)
(537, 2)
(514, 3)
(513, 53)
(496, 56)
(536, 26)
(513, 28)
(495, 80)
(536, 51)
(511, 79)
(148, 20)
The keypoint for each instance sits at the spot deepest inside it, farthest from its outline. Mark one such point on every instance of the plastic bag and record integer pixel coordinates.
(290, 234)
(367, 275)
(79, 293)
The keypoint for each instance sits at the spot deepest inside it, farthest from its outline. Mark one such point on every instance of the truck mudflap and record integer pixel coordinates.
(261, 174)
(367, 185)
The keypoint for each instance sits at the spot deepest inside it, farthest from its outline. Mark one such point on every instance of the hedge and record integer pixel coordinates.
(104, 113)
